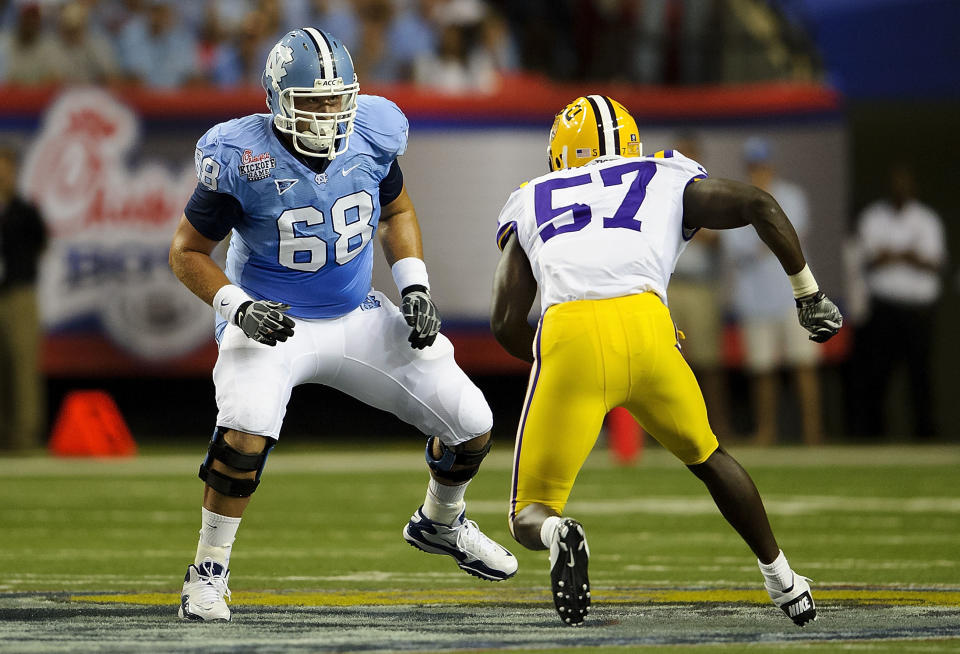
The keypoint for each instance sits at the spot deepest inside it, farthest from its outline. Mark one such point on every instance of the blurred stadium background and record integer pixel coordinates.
(105, 99)
(105, 118)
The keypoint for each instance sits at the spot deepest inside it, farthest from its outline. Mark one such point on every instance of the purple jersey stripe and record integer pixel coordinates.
(504, 232)
(537, 363)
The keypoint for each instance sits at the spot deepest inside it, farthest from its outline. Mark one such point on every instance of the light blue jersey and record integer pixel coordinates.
(304, 238)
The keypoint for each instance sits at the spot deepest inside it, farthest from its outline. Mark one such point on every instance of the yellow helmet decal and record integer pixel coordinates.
(589, 127)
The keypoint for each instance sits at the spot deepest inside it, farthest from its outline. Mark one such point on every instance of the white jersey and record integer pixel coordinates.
(611, 228)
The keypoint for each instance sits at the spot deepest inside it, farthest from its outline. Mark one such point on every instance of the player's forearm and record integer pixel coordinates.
(776, 231)
(400, 236)
(198, 272)
(516, 336)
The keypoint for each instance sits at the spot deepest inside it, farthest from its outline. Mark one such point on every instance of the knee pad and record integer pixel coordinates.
(474, 413)
(455, 456)
(221, 451)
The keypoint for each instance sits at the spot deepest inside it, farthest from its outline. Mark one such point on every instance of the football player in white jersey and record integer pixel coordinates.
(303, 189)
(600, 235)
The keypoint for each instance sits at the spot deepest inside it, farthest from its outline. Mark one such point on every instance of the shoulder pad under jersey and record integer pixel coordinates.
(381, 126)
(219, 152)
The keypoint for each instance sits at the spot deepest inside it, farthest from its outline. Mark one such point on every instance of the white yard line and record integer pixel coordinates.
(369, 460)
(776, 504)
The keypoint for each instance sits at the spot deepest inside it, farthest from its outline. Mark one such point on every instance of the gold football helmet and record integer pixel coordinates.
(591, 127)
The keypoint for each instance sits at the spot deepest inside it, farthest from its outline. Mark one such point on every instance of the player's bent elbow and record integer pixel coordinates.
(760, 207)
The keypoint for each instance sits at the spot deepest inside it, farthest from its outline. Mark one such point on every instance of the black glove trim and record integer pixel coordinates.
(813, 298)
(241, 312)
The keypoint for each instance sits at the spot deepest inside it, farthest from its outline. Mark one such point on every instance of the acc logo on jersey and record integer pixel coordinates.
(256, 166)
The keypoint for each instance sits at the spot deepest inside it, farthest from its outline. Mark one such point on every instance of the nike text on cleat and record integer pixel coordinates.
(796, 601)
(204, 589)
(473, 551)
(569, 556)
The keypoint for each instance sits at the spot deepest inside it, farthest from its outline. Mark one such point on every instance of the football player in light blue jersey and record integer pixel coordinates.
(301, 191)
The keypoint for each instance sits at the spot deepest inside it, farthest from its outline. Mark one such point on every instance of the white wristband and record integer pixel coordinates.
(410, 271)
(228, 300)
(803, 283)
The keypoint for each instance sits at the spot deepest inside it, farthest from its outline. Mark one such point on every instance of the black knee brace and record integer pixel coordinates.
(221, 451)
(455, 456)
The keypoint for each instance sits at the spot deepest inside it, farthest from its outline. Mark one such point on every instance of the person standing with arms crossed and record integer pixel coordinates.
(599, 235)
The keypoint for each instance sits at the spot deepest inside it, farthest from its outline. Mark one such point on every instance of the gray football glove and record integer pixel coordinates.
(264, 322)
(819, 316)
(422, 314)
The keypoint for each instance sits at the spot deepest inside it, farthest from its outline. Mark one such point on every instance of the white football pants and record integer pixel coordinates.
(364, 354)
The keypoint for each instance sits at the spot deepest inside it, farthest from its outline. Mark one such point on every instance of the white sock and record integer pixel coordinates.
(444, 503)
(217, 533)
(548, 530)
(778, 573)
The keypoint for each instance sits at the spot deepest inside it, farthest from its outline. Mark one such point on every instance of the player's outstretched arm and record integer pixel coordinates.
(190, 260)
(514, 289)
(727, 204)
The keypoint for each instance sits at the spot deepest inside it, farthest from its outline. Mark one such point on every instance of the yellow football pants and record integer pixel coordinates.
(592, 356)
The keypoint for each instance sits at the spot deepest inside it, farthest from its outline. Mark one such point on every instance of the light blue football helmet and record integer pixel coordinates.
(310, 63)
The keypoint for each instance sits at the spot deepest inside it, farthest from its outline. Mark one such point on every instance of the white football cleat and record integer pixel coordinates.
(474, 552)
(796, 601)
(569, 557)
(204, 589)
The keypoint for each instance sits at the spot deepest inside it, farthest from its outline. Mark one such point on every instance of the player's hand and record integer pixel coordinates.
(422, 314)
(819, 316)
(264, 322)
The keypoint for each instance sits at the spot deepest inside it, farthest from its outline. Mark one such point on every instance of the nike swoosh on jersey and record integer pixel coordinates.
(346, 171)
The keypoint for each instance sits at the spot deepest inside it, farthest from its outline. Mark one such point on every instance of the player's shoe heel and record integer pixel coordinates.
(473, 551)
(204, 589)
(569, 558)
(796, 601)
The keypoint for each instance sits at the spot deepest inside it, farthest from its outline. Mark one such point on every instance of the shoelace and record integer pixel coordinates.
(471, 539)
(214, 586)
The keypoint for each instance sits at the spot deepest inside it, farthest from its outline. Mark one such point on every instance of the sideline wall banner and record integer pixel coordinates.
(111, 172)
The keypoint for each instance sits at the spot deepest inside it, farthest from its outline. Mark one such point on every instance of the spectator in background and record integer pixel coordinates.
(239, 60)
(156, 49)
(336, 17)
(373, 60)
(674, 41)
(82, 55)
(499, 42)
(767, 315)
(23, 237)
(904, 252)
(412, 34)
(28, 54)
(696, 308)
(462, 62)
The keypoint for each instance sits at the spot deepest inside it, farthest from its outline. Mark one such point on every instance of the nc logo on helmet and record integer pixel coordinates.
(276, 62)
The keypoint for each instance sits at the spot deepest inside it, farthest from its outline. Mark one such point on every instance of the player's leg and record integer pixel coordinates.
(670, 407)
(760, 339)
(253, 384)
(802, 356)
(427, 389)
(27, 403)
(563, 411)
